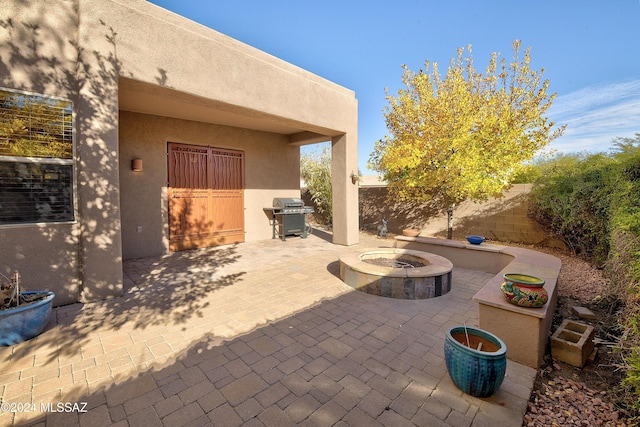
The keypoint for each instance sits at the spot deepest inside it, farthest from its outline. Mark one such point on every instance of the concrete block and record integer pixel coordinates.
(572, 343)
(583, 312)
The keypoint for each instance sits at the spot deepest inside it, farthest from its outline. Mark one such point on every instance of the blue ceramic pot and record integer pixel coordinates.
(25, 322)
(475, 240)
(477, 369)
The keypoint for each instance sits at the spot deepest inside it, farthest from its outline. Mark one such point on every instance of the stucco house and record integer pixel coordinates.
(176, 137)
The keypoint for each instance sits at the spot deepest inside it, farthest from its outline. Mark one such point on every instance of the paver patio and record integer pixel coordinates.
(257, 334)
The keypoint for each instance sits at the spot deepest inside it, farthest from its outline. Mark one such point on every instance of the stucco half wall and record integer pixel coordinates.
(167, 79)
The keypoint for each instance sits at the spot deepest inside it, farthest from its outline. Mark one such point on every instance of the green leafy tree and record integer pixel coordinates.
(464, 136)
(626, 148)
(315, 170)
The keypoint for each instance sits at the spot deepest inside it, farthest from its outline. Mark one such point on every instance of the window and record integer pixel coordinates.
(36, 159)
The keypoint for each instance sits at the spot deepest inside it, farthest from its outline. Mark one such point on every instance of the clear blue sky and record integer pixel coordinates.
(589, 49)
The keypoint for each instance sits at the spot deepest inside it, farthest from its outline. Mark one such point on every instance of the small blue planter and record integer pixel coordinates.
(476, 372)
(475, 240)
(25, 322)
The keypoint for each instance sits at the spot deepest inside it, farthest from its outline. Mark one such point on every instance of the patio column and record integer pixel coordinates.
(344, 163)
(97, 158)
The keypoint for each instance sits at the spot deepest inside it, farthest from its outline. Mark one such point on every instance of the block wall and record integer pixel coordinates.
(503, 219)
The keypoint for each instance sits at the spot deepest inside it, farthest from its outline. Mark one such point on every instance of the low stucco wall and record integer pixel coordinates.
(479, 259)
(525, 330)
(271, 170)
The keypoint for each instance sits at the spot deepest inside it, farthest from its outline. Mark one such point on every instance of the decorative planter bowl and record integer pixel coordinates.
(25, 322)
(478, 368)
(475, 240)
(524, 290)
(411, 232)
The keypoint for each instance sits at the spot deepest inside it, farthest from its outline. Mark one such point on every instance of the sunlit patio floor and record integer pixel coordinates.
(257, 334)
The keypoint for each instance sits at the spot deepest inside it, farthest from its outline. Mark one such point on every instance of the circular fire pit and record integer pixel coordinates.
(397, 273)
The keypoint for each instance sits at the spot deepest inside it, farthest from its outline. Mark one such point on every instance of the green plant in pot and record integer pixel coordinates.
(476, 360)
(23, 315)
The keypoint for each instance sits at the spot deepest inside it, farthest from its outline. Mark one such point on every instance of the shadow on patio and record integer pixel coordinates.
(173, 289)
(318, 352)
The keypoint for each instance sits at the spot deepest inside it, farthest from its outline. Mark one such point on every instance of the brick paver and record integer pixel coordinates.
(258, 334)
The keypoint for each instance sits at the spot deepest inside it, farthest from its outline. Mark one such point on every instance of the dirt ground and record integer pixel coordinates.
(564, 395)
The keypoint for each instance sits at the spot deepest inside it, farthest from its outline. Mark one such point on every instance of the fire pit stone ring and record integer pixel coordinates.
(397, 273)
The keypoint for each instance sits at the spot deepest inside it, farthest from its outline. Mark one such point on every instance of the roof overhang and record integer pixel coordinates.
(140, 97)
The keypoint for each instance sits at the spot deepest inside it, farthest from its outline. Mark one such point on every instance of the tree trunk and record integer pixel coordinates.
(450, 221)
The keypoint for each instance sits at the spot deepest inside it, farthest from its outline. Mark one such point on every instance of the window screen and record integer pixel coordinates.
(36, 159)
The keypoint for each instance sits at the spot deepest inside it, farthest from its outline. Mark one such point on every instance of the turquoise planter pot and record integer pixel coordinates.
(25, 322)
(478, 372)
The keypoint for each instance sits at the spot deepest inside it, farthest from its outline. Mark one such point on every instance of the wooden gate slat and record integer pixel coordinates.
(206, 196)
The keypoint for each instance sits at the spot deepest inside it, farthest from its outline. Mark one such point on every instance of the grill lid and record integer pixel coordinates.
(287, 202)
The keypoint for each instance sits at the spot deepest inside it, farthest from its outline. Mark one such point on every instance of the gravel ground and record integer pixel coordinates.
(566, 402)
(567, 396)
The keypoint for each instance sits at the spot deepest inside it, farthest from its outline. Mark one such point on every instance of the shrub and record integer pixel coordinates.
(315, 170)
(591, 203)
(571, 199)
(624, 270)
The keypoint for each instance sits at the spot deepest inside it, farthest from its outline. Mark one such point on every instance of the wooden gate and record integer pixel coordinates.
(206, 196)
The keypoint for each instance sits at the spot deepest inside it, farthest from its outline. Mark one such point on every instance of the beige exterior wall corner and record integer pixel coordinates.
(97, 159)
(344, 155)
(40, 49)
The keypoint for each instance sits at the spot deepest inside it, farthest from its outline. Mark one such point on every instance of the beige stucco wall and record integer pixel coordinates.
(51, 47)
(190, 58)
(236, 85)
(47, 256)
(344, 155)
(271, 170)
(113, 56)
(97, 148)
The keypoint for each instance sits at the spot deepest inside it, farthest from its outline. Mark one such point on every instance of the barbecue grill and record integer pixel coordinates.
(288, 217)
